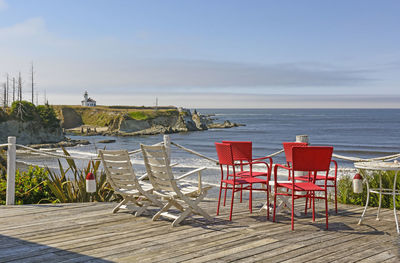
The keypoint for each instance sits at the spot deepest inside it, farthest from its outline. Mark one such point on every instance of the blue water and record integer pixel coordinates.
(352, 132)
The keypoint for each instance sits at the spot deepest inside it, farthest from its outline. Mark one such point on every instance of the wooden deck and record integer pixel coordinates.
(89, 232)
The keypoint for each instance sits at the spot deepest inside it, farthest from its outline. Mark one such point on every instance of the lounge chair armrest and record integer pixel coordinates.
(190, 173)
(143, 177)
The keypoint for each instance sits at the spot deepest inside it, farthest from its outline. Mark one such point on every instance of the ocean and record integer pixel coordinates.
(362, 133)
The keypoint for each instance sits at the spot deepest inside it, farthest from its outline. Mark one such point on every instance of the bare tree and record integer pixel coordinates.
(33, 83)
(4, 96)
(19, 87)
(45, 98)
(13, 89)
(7, 88)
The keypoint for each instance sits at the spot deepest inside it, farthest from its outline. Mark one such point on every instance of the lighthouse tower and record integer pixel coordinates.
(89, 102)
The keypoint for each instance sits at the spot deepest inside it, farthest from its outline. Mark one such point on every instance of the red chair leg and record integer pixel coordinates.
(241, 195)
(251, 199)
(293, 209)
(326, 209)
(219, 198)
(233, 196)
(267, 203)
(313, 206)
(335, 198)
(306, 205)
(273, 216)
(226, 190)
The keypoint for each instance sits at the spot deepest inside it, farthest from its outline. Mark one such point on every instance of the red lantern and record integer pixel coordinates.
(357, 184)
(90, 183)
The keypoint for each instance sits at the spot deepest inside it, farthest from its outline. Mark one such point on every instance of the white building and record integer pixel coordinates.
(88, 101)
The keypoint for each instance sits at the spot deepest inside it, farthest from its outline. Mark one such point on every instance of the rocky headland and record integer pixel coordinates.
(134, 121)
(45, 126)
(30, 124)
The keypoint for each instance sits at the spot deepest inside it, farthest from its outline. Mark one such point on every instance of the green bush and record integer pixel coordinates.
(48, 116)
(138, 115)
(40, 185)
(151, 114)
(31, 187)
(73, 191)
(24, 110)
(347, 196)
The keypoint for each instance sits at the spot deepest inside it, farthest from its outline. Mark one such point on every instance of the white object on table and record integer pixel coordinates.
(284, 201)
(381, 166)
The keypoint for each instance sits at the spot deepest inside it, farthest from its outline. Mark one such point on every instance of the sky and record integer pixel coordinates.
(206, 54)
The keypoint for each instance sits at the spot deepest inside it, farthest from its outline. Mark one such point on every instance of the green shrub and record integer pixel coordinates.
(151, 114)
(31, 187)
(24, 110)
(3, 115)
(72, 190)
(40, 185)
(48, 116)
(347, 196)
(138, 115)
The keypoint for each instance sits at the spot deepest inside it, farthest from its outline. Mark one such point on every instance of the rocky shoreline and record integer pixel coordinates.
(183, 121)
(106, 121)
(65, 143)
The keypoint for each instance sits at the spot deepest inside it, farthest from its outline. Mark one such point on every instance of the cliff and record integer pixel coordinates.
(30, 124)
(128, 121)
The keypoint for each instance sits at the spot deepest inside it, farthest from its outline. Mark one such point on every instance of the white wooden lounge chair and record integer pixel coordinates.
(122, 179)
(182, 195)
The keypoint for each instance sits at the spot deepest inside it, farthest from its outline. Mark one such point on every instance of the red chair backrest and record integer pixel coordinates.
(287, 147)
(224, 152)
(311, 158)
(242, 151)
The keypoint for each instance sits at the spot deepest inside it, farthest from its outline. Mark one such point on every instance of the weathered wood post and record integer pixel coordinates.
(167, 144)
(11, 152)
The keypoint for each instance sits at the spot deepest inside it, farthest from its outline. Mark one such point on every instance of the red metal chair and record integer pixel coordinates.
(230, 180)
(311, 159)
(287, 146)
(243, 156)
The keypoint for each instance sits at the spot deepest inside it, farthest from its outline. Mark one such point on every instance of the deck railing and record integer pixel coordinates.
(12, 146)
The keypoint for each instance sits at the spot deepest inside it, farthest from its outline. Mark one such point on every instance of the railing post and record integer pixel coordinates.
(11, 152)
(167, 144)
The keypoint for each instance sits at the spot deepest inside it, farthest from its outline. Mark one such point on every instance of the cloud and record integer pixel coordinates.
(28, 28)
(229, 100)
(134, 75)
(3, 5)
(110, 63)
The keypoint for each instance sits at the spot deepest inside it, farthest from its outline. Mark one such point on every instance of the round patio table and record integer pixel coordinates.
(381, 166)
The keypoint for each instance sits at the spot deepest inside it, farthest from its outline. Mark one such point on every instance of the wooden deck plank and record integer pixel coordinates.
(89, 232)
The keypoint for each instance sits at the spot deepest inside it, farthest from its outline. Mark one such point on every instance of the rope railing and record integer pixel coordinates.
(11, 159)
(195, 153)
(55, 155)
(356, 159)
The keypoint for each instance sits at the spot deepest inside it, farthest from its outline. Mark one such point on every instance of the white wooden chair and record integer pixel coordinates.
(181, 195)
(123, 180)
